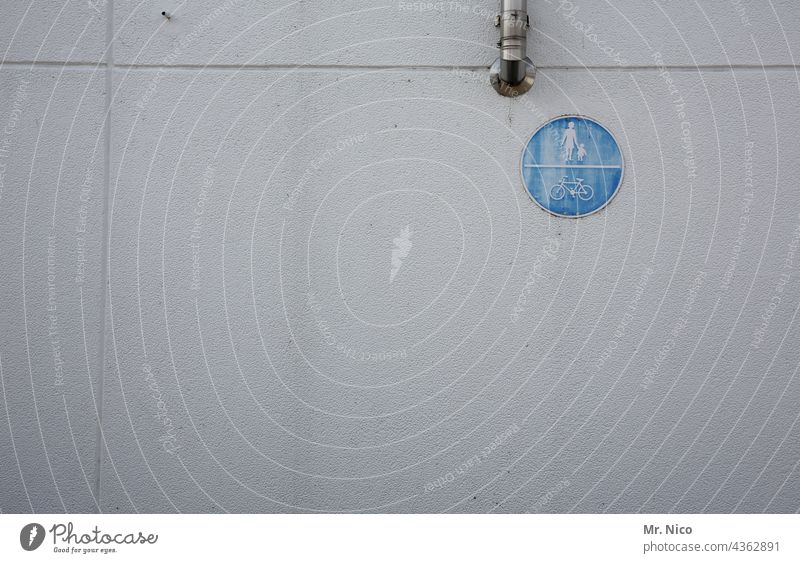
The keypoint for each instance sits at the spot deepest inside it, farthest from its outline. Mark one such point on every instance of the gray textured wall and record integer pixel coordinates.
(196, 235)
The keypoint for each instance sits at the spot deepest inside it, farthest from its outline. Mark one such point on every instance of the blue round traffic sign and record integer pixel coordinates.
(572, 166)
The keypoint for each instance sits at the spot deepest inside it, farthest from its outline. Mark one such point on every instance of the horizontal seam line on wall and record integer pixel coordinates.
(337, 68)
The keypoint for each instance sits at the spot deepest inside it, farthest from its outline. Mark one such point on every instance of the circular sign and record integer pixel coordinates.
(572, 166)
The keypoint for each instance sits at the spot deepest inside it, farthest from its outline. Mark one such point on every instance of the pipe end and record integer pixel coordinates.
(512, 90)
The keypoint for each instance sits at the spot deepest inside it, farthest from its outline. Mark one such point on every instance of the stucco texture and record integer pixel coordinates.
(278, 257)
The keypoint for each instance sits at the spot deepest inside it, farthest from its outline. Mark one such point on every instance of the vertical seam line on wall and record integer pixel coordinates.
(104, 246)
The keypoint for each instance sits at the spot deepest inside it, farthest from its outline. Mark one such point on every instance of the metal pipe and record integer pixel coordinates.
(513, 40)
(513, 72)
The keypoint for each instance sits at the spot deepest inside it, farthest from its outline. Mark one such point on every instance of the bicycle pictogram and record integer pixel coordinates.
(574, 189)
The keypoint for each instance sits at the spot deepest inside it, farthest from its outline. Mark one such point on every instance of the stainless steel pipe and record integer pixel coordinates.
(512, 74)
